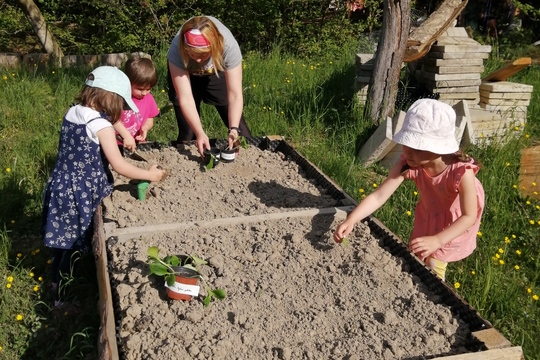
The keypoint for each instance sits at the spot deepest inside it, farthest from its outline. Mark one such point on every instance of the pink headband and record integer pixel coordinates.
(196, 39)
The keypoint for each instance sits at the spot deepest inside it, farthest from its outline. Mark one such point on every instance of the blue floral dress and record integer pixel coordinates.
(80, 180)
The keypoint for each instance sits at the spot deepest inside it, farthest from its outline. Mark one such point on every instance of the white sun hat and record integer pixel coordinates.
(429, 125)
(112, 79)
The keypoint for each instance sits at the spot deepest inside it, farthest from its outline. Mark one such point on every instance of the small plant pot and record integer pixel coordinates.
(228, 155)
(185, 287)
(142, 189)
(213, 155)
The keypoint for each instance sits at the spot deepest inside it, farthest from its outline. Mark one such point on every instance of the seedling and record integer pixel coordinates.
(344, 242)
(166, 267)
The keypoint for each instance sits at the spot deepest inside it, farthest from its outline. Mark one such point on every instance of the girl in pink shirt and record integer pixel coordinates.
(447, 216)
(134, 126)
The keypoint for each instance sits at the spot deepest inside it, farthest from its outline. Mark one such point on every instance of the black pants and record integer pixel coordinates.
(213, 91)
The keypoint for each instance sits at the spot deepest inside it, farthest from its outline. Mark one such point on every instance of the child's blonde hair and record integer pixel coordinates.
(210, 31)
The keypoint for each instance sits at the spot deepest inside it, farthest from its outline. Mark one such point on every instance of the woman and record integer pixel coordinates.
(205, 64)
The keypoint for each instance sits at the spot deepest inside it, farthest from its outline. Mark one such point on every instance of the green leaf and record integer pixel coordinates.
(345, 242)
(197, 260)
(210, 164)
(218, 294)
(159, 269)
(153, 252)
(206, 300)
(172, 260)
(191, 267)
(170, 279)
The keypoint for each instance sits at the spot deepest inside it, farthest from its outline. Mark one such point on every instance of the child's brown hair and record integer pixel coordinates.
(141, 71)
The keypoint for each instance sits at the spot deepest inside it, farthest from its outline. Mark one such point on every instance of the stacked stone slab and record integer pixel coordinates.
(453, 67)
(364, 70)
(510, 100)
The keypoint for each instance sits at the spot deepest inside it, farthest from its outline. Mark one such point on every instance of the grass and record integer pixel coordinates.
(311, 103)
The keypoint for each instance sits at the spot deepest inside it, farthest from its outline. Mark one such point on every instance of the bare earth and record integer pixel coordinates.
(291, 292)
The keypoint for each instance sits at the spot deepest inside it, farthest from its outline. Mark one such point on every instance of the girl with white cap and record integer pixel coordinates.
(447, 216)
(81, 177)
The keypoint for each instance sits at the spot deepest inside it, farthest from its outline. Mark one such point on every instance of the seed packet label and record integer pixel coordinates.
(192, 290)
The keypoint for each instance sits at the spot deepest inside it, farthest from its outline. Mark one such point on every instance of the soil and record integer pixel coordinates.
(292, 293)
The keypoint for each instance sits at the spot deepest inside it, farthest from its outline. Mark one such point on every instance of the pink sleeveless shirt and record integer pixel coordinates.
(439, 207)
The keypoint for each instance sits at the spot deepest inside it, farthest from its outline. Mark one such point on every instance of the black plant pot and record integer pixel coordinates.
(212, 155)
(228, 155)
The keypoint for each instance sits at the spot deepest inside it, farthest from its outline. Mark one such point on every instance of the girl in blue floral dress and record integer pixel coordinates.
(81, 177)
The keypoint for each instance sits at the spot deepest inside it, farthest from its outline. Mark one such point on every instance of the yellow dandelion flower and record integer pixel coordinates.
(374, 185)
(501, 261)
(529, 290)
(4, 77)
(40, 278)
(31, 274)
(8, 170)
(19, 317)
(501, 251)
(361, 190)
(254, 85)
(10, 278)
(53, 72)
(531, 222)
(330, 63)
(13, 221)
(497, 256)
(528, 202)
(513, 236)
(514, 186)
(8, 285)
(282, 113)
(518, 252)
(269, 108)
(506, 240)
(473, 272)
(527, 136)
(49, 262)
(409, 213)
(264, 107)
(457, 285)
(535, 193)
(0, 348)
(533, 183)
(516, 267)
(507, 164)
(19, 255)
(288, 81)
(516, 128)
(162, 90)
(363, 196)
(415, 193)
(535, 297)
(36, 288)
(479, 233)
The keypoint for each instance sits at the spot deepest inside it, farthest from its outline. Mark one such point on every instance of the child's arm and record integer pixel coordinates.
(129, 141)
(143, 132)
(427, 245)
(107, 142)
(371, 203)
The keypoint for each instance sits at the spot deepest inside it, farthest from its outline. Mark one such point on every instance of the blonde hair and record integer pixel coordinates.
(211, 33)
(101, 100)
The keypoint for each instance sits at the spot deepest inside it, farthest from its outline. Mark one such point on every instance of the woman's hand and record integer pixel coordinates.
(232, 140)
(202, 143)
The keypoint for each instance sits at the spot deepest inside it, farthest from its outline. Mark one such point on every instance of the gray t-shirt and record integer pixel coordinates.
(232, 56)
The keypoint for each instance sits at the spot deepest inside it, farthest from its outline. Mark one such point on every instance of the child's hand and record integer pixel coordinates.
(424, 246)
(129, 143)
(342, 231)
(156, 173)
(141, 136)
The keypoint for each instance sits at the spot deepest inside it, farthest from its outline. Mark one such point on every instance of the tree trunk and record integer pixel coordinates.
(388, 60)
(49, 43)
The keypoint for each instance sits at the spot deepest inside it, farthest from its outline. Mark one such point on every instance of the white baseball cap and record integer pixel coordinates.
(429, 125)
(112, 79)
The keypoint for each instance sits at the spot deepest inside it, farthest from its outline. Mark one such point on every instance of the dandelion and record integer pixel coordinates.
(361, 191)
(527, 136)
(19, 317)
(529, 290)
(507, 239)
(518, 252)
(31, 274)
(501, 261)
(254, 85)
(535, 297)
(49, 262)
(19, 255)
(330, 63)
(513, 236)
(36, 288)
(10, 279)
(516, 267)
(473, 272)
(4, 77)
(528, 202)
(40, 278)
(501, 251)
(53, 72)
(514, 186)
(408, 213)
(533, 183)
(8, 170)
(507, 164)
(374, 185)
(531, 222)
(457, 285)
(479, 233)
(8, 285)
(415, 193)
(516, 128)
(497, 256)
(162, 90)
(13, 221)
